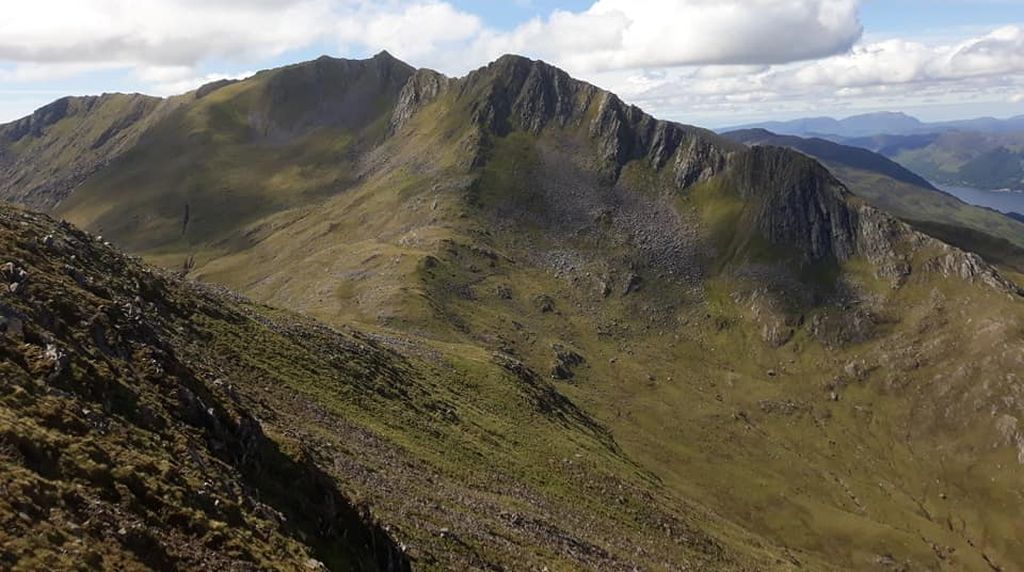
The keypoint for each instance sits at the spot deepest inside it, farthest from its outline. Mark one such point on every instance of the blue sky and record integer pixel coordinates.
(708, 62)
(909, 17)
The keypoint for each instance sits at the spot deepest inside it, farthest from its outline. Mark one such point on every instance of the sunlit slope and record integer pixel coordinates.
(281, 139)
(174, 425)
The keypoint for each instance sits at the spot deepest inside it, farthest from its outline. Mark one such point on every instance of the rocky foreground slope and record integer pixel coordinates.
(122, 446)
(564, 333)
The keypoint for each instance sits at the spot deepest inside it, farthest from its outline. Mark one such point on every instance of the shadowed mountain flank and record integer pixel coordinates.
(890, 187)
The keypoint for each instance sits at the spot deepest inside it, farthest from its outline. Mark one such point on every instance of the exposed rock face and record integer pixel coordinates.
(422, 88)
(801, 204)
(890, 246)
(625, 133)
(515, 93)
(953, 262)
(45, 116)
(566, 361)
(879, 239)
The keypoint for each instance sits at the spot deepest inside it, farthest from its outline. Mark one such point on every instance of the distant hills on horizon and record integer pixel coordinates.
(983, 153)
(881, 123)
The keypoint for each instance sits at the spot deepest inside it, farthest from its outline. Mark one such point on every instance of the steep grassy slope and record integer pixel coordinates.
(616, 328)
(891, 187)
(283, 138)
(148, 423)
(46, 155)
(121, 450)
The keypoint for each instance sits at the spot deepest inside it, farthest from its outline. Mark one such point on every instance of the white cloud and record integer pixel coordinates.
(413, 31)
(157, 32)
(31, 72)
(695, 32)
(679, 58)
(886, 73)
(611, 34)
(631, 34)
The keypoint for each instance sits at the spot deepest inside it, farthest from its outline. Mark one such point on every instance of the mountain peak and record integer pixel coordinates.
(386, 56)
(883, 114)
(516, 60)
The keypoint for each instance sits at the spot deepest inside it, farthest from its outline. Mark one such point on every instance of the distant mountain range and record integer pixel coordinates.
(981, 160)
(882, 123)
(984, 153)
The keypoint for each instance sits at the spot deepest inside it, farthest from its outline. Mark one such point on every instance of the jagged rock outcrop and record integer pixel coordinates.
(799, 205)
(422, 88)
(625, 133)
(968, 266)
(891, 245)
(882, 240)
(518, 93)
(515, 93)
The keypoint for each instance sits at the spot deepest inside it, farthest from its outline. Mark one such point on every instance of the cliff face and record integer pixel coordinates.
(423, 87)
(515, 93)
(801, 205)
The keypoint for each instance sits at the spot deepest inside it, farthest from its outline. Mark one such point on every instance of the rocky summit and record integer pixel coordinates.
(351, 315)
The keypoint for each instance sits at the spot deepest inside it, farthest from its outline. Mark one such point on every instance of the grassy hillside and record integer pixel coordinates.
(216, 432)
(282, 139)
(46, 155)
(555, 331)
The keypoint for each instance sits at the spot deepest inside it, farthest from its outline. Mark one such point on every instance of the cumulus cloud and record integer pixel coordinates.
(610, 34)
(631, 33)
(157, 32)
(677, 57)
(413, 31)
(891, 72)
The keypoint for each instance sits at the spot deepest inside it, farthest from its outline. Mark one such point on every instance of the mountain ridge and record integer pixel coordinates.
(553, 329)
